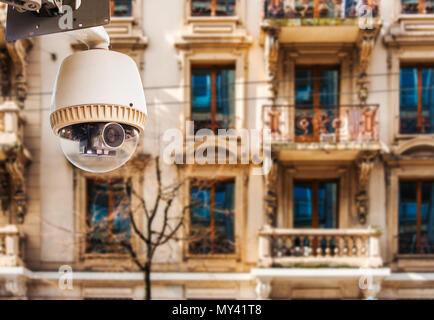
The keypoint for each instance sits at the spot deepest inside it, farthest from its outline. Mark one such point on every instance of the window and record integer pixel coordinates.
(315, 204)
(212, 217)
(213, 98)
(417, 6)
(108, 220)
(416, 217)
(121, 8)
(316, 100)
(213, 8)
(417, 100)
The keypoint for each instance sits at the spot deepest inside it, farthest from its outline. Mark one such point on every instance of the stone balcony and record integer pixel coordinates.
(320, 263)
(344, 248)
(11, 247)
(320, 21)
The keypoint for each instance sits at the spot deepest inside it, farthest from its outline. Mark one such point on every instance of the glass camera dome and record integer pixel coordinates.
(99, 147)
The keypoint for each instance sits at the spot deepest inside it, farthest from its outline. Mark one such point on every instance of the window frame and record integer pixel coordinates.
(315, 199)
(316, 106)
(213, 11)
(213, 108)
(404, 169)
(418, 218)
(212, 182)
(219, 262)
(112, 11)
(419, 67)
(110, 182)
(105, 261)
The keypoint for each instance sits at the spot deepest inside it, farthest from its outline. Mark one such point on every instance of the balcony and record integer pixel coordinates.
(329, 20)
(11, 247)
(11, 127)
(417, 6)
(319, 248)
(347, 128)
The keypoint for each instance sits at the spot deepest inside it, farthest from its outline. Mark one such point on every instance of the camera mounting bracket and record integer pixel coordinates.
(91, 13)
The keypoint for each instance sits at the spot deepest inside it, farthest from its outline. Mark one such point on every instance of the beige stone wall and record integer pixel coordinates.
(53, 210)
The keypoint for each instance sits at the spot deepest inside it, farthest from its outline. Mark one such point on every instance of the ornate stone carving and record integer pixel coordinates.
(272, 48)
(17, 288)
(14, 169)
(364, 167)
(263, 289)
(271, 195)
(366, 45)
(17, 51)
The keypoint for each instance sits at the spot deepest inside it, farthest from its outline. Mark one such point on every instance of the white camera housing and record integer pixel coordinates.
(95, 89)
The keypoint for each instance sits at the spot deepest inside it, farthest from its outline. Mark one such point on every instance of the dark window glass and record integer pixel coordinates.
(213, 98)
(416, 217)
(303, 210)
(417, 100)
(316, 100)
(417, 6)
(315, 204)
(108, 222)
(212, 218)
(213, 7)
(121, 8)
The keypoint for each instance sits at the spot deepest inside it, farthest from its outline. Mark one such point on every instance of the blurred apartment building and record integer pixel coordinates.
(346, 88)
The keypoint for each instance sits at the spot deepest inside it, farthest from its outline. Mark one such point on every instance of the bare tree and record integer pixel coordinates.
(155, 232)
(154, 222)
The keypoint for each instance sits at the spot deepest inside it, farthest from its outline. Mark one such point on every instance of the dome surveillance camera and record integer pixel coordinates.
(98, 109)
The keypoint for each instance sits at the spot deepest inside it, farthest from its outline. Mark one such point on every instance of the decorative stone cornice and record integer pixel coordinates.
(365, 43)
(272, 49)
(365, 164)
(270, 198)
(411, 31)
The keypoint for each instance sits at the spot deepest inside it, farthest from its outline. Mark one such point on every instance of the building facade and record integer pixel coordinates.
(346, 210)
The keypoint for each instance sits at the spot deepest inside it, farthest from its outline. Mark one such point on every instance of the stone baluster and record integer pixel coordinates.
(348, 246)
(358, 246)
(318, 243)
(340, 245)
(266, 248)
(374, 246)
(365, 241)
(292, 239)
(288, 245)
(328, 246)
(279, 242)
(11, 244)
(2, 245)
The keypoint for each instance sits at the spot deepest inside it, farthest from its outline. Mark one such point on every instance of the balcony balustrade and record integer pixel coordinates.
(287, 9)
(325, 124)
(11, 247)
(417, 6)
(286, 248)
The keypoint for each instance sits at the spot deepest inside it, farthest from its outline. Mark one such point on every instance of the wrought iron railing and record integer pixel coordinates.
(315, 247)
(289, 9)
(333, 124)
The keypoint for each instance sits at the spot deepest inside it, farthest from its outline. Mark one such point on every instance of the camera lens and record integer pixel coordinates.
(99, 147)
(113, 135)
